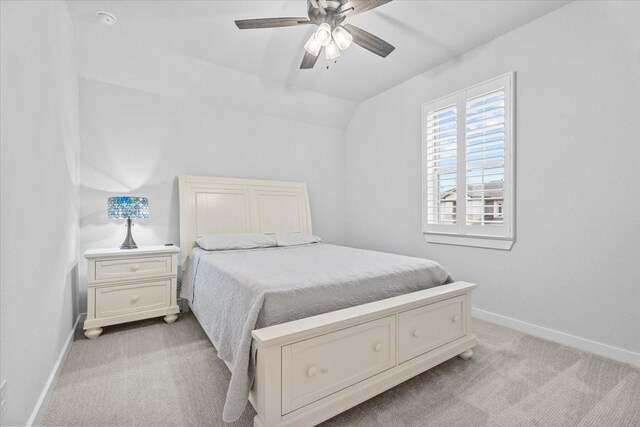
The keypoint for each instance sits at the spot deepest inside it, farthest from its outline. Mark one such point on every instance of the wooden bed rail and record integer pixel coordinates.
(316, 325)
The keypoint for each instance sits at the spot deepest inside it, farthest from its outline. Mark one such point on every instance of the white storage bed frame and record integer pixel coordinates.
(312, 369)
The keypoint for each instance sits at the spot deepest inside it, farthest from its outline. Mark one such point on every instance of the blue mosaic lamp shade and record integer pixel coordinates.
(128, 207)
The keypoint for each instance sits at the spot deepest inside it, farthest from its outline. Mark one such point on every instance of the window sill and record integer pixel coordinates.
(473, 241)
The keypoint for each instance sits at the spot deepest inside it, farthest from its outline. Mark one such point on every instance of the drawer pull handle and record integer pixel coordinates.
(416, 333)
(134, 299)
(378, 347)
(455, 319)
(312, 371)
(135, 267)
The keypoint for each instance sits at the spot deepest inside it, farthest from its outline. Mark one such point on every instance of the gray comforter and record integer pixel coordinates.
(235, 292)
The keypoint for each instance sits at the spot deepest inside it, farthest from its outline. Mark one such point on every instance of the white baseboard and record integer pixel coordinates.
(41, 404)
(605, 350)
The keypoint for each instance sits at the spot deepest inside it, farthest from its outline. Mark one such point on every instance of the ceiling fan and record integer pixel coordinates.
(331, 34)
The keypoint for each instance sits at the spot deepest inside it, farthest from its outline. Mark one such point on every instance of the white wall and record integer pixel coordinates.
(149, 114)
(39, 222)
(575, 265)
(136, 142)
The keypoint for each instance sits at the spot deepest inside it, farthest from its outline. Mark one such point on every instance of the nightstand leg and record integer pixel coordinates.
(170, 318)
(93, 333)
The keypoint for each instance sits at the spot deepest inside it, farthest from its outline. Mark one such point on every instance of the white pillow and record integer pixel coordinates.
(222, 242)
(294, 239)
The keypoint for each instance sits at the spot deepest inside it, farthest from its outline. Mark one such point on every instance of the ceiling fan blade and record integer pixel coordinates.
(308, 61)
(354, 7)
(247, 24)
(316, 4)
(369, 41)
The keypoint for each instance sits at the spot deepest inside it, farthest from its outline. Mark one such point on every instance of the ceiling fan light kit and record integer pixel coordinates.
(331, 51)
(323, 34)
(313, 46)
(329, 15)
(342, 38)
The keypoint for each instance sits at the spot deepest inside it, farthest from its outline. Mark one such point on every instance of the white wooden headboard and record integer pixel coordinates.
(213, 205)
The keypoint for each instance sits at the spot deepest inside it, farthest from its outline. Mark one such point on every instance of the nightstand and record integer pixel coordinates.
(130, 284)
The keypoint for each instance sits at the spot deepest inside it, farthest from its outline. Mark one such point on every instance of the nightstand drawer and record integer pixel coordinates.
(124, 299)
(132, 267)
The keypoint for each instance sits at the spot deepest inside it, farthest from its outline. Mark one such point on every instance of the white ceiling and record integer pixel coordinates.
(425, 34)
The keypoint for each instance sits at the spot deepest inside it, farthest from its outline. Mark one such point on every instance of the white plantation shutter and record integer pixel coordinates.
(441, 164)
(467, 164)
(484, 137)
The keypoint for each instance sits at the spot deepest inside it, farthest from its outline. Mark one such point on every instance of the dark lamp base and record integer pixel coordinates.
(129, 243)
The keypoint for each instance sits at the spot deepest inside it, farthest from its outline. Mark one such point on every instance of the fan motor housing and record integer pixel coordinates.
(330, 15)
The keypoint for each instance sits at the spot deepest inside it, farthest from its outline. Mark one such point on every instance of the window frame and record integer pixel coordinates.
(461, 233)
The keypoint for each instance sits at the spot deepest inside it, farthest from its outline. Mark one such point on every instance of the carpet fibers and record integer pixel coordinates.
(154, 374)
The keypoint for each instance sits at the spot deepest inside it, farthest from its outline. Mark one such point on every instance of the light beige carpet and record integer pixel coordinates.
(151, 373)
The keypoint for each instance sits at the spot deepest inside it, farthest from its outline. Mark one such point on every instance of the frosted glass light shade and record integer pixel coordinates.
(331, 51)
(342, 38)
(312, 45)
(323, 34)
(127, 207)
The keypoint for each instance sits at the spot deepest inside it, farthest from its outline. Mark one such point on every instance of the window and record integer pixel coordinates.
(467, 146)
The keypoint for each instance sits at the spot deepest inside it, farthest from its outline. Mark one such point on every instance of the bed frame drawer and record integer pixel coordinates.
(428, 327)
(118, 300)
(323, 365)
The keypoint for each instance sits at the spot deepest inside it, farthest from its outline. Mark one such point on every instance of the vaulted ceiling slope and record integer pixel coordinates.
(425, 33)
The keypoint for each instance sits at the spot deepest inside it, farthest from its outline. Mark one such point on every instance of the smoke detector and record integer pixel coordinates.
(106, 18)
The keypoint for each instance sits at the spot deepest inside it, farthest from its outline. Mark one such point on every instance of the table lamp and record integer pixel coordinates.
(128, 207)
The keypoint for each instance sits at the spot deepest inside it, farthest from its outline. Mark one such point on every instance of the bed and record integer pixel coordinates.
(311, 330)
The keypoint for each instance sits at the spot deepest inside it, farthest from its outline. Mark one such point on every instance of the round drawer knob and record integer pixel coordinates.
(312, 371)
(134, 299)
(378, 347)
(416, 333)
(135, 267)
(455, 319)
